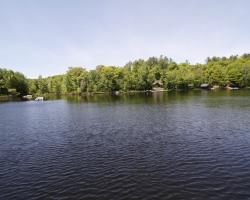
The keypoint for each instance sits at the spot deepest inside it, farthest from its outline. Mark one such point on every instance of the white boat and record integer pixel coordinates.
(39, 99)
(27, 97)
(232, 88)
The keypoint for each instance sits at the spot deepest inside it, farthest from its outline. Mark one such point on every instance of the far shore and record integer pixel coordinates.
(6, 98)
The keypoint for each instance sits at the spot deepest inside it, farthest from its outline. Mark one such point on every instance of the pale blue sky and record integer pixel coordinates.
(45, 37)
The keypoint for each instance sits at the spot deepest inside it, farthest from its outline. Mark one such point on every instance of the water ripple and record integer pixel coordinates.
(180, 150)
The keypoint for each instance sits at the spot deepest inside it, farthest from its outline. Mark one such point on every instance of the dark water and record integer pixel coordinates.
(192, 145)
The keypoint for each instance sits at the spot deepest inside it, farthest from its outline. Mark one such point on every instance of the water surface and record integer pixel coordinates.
(193, 145)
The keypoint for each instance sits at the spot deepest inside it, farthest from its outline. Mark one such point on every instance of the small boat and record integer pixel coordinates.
(39, 99)
(215, 87)
(27, 97)
(232, 88)
(205, 86)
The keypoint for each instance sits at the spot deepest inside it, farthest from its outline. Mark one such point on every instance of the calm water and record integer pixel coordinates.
(192, 145)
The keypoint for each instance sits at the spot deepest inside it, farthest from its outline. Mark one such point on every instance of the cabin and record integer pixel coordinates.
(205, 86)
(157, 85)
(12, 91)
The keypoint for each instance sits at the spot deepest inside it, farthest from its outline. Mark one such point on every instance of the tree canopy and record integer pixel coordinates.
(12, 82)
(138, 75)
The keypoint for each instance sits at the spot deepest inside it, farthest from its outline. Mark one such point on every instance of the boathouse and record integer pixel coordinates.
(157, 85)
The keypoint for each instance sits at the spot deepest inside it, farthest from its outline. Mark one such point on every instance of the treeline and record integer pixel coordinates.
(138, 75)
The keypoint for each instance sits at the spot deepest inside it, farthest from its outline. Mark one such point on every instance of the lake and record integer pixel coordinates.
(193, 145)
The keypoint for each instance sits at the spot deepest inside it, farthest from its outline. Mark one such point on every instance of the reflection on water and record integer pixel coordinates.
(136, 98)
(190, 145)
(213, 97)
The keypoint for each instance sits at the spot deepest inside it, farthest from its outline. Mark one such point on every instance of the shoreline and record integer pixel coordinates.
(6, 98)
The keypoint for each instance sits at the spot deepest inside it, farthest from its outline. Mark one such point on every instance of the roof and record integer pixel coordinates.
(157, 82)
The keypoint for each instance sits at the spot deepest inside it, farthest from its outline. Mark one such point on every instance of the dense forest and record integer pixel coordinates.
(12, 83)
(138, 75)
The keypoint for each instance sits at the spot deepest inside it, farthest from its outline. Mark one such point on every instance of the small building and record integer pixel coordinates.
(157, 85)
